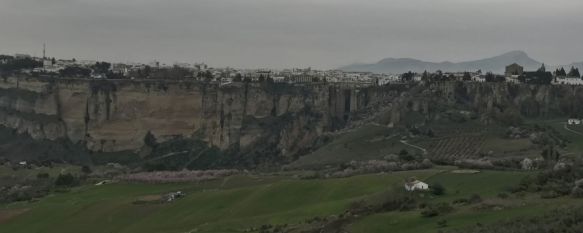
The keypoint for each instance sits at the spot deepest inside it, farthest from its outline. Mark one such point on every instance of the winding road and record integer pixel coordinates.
(414, 146)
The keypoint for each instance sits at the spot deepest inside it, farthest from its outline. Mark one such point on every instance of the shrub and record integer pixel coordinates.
(66, 180)
(437, 189)
(86, 170)
(436, 210)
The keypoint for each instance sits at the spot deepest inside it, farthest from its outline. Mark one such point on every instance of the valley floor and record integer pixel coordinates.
(237, 203)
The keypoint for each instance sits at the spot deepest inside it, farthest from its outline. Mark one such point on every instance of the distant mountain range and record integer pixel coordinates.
(495, 64)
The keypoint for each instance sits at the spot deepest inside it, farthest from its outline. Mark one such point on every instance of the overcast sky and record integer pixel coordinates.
(292, 33)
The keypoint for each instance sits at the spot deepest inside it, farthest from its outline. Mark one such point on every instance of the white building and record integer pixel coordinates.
(573, 121)
(568, 81)
(416, 185)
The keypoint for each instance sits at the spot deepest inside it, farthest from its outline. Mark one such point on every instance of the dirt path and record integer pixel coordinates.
(414, 146)
(6, 215)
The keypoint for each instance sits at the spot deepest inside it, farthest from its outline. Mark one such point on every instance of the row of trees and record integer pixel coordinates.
(574, 72)
(10, 64)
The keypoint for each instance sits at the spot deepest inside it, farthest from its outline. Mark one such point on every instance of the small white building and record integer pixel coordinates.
(574, 121)
(416, 185)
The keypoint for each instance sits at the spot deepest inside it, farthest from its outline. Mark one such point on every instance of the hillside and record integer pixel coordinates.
(401, 65)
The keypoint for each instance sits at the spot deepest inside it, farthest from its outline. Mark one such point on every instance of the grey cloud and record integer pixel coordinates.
(287, 33)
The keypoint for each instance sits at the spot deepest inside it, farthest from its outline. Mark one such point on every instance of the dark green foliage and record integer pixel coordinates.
(25, 191)
(437, 189)
(551, 183)
(101, 67)
(562, 220)
(437, 210)
(67, 180)
(22, 147)
(574, 72)
(405, 156)
(407, 77)
(150, 140)
(561, 72)
(86, 169)
(184, 153)
(13, 64)
(75, 72)
(490, 77)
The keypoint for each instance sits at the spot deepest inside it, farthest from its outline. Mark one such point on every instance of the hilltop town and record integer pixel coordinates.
(62, 68)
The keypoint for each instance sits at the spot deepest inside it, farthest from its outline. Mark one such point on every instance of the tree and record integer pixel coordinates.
(101, 67)
(542, 68)
(238, 78)
(574, 72)
(560, 72)
(489, 77)
(66, 180)
(405, 156)
(150, 139)
(425, 76)
(467, 76)
(406, 77)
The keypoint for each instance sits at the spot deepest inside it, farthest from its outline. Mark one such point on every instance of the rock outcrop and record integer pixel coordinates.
(113, 116)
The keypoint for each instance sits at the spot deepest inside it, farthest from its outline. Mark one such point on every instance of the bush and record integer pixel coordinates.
(436, 210)
(437, 189)
(67, 180)
(86, 170)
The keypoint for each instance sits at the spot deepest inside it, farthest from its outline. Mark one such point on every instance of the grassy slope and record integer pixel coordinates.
(576, 145)
(486, 184)
(366, 143)
(237, 204)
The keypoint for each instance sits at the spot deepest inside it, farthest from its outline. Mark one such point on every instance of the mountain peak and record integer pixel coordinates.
(515, 53)
(495, 64)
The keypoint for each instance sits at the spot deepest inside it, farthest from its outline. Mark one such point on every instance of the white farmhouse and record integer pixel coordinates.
(416, 185)
(574, 121)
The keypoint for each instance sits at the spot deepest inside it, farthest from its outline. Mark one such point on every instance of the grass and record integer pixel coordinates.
(365, 143)
(486, 184)
(576, 140)
(218, 206)
(240, 202)
(7, 174)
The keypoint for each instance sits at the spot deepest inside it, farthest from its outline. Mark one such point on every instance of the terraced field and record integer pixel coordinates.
(455, 147)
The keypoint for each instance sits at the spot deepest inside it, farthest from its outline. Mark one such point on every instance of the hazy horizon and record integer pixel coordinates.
(300, 33)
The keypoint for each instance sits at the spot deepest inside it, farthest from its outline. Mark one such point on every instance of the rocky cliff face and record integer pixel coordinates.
(113, 116)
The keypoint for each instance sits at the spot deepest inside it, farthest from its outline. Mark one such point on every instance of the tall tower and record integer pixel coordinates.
(44, 51)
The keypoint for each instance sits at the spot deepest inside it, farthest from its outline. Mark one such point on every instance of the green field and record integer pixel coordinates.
(572, 133)
(365, 143)
(237, 203)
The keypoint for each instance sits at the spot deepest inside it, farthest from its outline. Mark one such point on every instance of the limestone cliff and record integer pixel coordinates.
(113, 116)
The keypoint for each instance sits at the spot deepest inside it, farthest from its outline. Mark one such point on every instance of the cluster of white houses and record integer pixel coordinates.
(307, 75)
